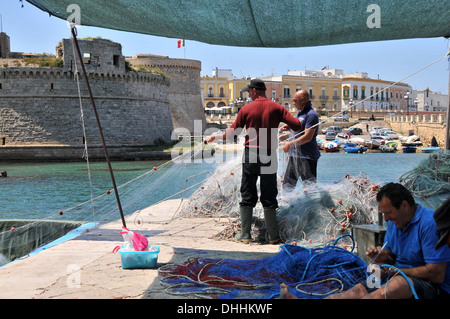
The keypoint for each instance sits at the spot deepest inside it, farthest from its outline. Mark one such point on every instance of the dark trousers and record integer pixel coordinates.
(258, 164)
(303, 168)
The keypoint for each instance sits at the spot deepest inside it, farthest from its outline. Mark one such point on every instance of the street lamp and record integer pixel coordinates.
(351, 104)
(407, 102)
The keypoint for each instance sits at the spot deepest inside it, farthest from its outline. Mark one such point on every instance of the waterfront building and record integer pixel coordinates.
(330, 91)
(323, 87)
(429, 101)
(399, 98)
(216, 90)
(363, 94)
(222, 92)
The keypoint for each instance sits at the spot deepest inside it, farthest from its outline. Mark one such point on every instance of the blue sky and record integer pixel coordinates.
(32, 30)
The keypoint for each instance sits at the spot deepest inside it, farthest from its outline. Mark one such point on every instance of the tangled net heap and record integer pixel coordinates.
(218, 196)
(313, 216)
(308, 273)
(430, 181)
(323, 213)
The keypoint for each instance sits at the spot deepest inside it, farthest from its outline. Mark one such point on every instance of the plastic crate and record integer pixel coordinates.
(139, 259)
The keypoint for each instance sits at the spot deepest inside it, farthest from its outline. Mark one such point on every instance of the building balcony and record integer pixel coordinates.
(336, 97)
(324, 97)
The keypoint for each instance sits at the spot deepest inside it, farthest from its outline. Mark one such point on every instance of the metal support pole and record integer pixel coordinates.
(99, 127)
(447, 127)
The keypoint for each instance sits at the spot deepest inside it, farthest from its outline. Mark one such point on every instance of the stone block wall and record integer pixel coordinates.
(424, 126)
(42, 106)
(184, 92)
(99, 55)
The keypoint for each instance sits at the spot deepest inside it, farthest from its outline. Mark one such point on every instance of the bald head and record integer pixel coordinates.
(301, 97)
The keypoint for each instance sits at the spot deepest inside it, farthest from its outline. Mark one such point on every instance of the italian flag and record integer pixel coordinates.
(180, 43)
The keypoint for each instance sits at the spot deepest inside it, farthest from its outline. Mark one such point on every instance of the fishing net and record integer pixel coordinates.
(308, 273)
(430, 181)
(206, 189)
(218, 195)
(310, 215)
(321, 213)
(18, 238)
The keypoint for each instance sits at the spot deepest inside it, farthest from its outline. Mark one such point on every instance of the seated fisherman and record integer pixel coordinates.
(410, 241)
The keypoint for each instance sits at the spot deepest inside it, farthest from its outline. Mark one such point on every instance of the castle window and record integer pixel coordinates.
(1, 86)
(116, 60)
(86, 58)
(51, 86)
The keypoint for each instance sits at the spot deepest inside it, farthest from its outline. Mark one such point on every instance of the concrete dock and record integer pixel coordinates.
(85, 266)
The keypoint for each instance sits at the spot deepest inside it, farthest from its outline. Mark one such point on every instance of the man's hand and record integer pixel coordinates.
(210, 139)
(287, 146)
(380, 255)
(283, 137)
(373, 251)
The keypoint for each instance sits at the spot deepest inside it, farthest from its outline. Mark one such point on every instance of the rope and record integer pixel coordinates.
(404, 276)
(86, 153)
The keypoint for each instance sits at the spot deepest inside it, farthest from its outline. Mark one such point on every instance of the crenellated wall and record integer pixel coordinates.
(42, 106)
(184, 92)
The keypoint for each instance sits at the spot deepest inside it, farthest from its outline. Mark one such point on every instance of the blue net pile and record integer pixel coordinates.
(308, 273)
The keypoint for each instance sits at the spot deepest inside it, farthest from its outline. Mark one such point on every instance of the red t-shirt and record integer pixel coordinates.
(261, 119)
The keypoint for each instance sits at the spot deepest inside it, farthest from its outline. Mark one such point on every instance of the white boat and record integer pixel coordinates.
(372, 144)
(320, 144)
(332, 146)
(357, 140)
(412, 140)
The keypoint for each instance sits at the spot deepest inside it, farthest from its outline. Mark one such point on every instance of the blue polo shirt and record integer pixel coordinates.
(414, 246)
(308, 117)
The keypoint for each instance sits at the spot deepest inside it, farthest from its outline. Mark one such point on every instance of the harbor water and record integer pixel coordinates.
(36, 190)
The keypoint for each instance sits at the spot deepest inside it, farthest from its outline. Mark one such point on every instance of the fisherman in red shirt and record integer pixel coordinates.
(261, 119)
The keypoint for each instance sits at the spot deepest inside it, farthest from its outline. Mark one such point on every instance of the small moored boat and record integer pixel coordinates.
(372, 144)
(409, 149)
(353, 148)
(430, 149)
(332, 146)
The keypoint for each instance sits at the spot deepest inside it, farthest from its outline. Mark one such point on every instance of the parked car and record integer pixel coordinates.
(382, 136)
(330, 135)
(390, 133)
(336, 129)
(344, 134)
(375, 129)
(355, 131)
(341, 118)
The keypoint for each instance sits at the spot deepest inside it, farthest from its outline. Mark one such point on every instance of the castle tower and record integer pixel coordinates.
(4, 46)
(184, 92)
(99, 55)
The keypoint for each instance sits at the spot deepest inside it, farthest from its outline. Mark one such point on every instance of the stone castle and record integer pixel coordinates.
(40, 106)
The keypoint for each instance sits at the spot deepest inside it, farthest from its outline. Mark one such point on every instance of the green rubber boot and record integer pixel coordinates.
(270, 216)
(246, 213)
